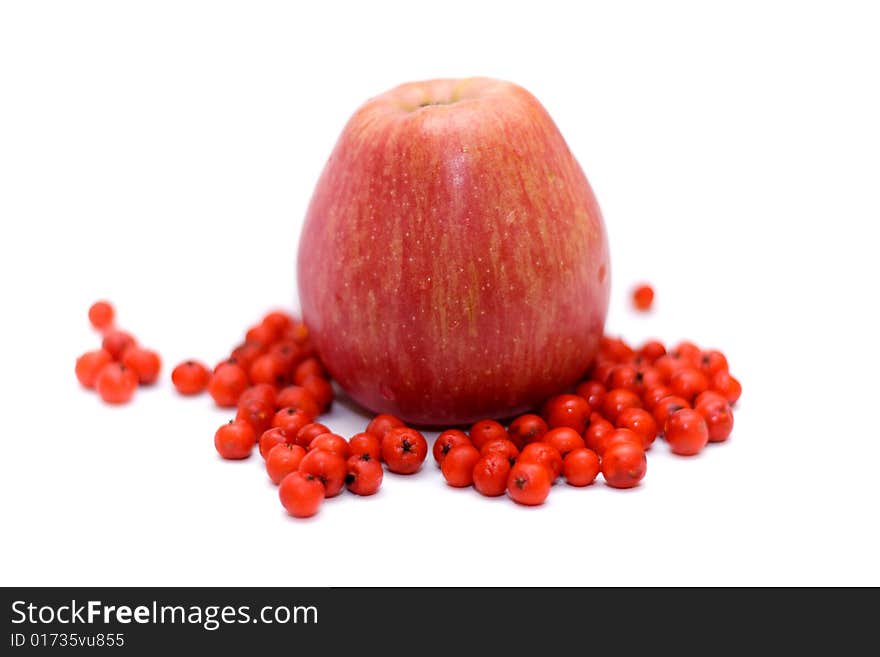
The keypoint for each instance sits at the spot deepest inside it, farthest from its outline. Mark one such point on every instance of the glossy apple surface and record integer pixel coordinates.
(453, 264)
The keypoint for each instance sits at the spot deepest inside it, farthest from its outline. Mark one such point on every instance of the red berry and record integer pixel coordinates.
(382, 424)
(290, 420)
(319, 388)
(458, 465)
(567, 411)
(331, 442)
(227, 384)
(301, 494)
(625, 376)
(616, 437)
(278, 321)
(116, 342)
(688, 383)
(653, 395)
(564, 439)
(615, 349)
(651, 351)
(526, 429)
(618, 399)
(724, 384)
(366, 444)
(446, 441)
(298, 332)
(687, 351)
(643, 297)
(298, 397)
(502, 446)
(256, 413)
(529, 483)
(667, 406)
(246, 353)
(145, 363)
(668, 365)
(485, 430)
(262, 392)
(90, 364)
(404, 450)
(597, 432)
(262, 334)
(580, 466)
(101, 315)
(305, 435)
(190, 377)
(624, 465)
(686, 432)
(713, 361)
(116, 383)
(640, 422)
(272, 437)
(593, 392)
(309, 367)
(363, 475)
(490, 475)
(328, 467)
(283, 459)
(268, 368)
(718, 417)
(235, 440)
(542, 454)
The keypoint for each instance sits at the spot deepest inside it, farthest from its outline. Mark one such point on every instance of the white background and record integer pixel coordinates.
(162, 155)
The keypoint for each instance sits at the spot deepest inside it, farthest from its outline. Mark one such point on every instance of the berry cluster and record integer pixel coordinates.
(120, 365)
(629, 397)
(279, 388)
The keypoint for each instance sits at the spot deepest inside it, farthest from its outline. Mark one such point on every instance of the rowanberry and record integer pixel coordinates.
(446, 441)
(331, 442)
(290, 420)
(382, 424)
(299, 398)
(616, 400)
(270, 438)
(404, 450)
(101, 315)
(145, 363)
(301, 494)
(328, 467)
(190, 377)
(227, 383)
(624, 465)
(283, 459)
(564, 439)
(593, 392)
(485, 430)
(116, 383)
(529, 483)
(686, 432)
(641, 423)
(365, 443)
(726, 385)
(235, 440)
(363, 475)
(526, 429)
(116, 342)
(688, 382)
(502, 446)
(458, 465)
(542, 454)
(643, 297)
(305, 435)
(567, 411)
(90, 364)
(490, 475)
(580, 466)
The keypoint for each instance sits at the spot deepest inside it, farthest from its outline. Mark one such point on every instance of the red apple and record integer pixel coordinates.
(453, 263)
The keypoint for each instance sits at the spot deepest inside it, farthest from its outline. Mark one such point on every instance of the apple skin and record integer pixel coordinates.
(453, 264)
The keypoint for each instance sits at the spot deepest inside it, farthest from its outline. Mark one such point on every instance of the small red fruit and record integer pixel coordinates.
(319, 388)
(666, 407)
(567, 411)
(101, 315)
(624, 465)
(270, 438)
(382, 424)
(688, 383)
(365, 444)
(526, 429)
(726, 385)
(502, 446)
(262, 392)
(713, 361)
(235, 440)
(651, 351)
(490, 475)
(718, 417)
(309, 367)
(618, 399)
(328, 467)
(529, 483)
(653, 395)
(246, 353)
(298, 397)
(227, 384)
(278, 321)
(640, 422)
(90, 364)
(580, 467)
(616, 437)
(564, 439)
(256, 413)
(145, 363)
(597, 432)
(593, 392)
(446, 441)
(301, 494)
(643, 297)
(116, 342)
(304, 436)
(686, 432)
(116, 383)
(404, 450)
(542, 454)
(283, 459)
(484, 431)
(262, 334)
(190, 377)
(331, 442)
(363, 475)
(268, 368)
(290, 420)
(458, 465)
